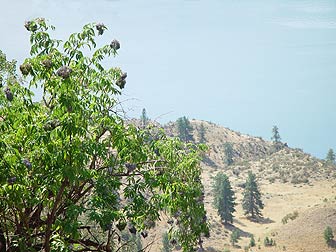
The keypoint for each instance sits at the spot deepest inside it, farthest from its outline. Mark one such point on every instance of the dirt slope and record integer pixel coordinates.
(290, 181)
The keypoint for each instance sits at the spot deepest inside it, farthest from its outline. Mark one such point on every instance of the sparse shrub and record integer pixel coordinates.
(246, 248)
(228, 151)
(290, 216)
(252, 242)
(275, 168)
(201, 133)
(271, 179)
(284, 180)
(297, 179)
(240, 184)
(268, 242)
(236, 172)
(226, 250)
(235, 235)
(328, 235)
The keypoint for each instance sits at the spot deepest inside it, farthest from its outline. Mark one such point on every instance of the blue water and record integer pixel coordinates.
(244, 64)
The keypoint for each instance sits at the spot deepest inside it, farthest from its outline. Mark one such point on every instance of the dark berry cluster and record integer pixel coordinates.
(121, 225)
(121, 82)
(130, 167)
(30, 26)
(115, 44)
(11, 180)
(9, 94)
(52, 124)
(132, 229)
(144, 234)
(25, 68)
(27, 163)
(47, 63)
(64, 72)
(100, 28)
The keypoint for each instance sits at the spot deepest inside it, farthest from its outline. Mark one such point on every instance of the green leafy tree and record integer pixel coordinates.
(330, 158)
(144, 118)
(73, 173)
(7, 77)
(184, 129)
(7, 71)
(201, 133)
(328, 235)
(228, 151)
(224, 199)
(251, 197)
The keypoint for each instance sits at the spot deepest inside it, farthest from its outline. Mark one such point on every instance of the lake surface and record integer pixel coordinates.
(247, 64)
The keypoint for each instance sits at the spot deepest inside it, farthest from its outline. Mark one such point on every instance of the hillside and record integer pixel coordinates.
(290, 181)
(260, 156)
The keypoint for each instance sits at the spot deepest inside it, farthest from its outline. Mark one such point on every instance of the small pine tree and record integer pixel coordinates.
(252, 197)
(144, 118)
(328, 235)
(184, 129)
(201, 133)
(224, 199)
(276, 138)
(275, 134)
(228, 150)
(330, 158)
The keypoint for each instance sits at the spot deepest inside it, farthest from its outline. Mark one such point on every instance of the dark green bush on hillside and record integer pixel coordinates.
(328, 235)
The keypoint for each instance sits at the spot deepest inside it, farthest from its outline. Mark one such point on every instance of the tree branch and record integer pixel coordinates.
(51, 216)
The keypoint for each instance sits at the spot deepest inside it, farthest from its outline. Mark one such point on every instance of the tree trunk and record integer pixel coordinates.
(2, 241)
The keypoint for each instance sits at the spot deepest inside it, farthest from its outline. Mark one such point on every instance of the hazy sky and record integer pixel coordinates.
(244, 64)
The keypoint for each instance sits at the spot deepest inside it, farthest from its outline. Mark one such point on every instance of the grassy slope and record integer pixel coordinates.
(290, 180)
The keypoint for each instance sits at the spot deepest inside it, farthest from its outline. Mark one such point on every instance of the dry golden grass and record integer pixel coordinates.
(280, 199)
(290, 180)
